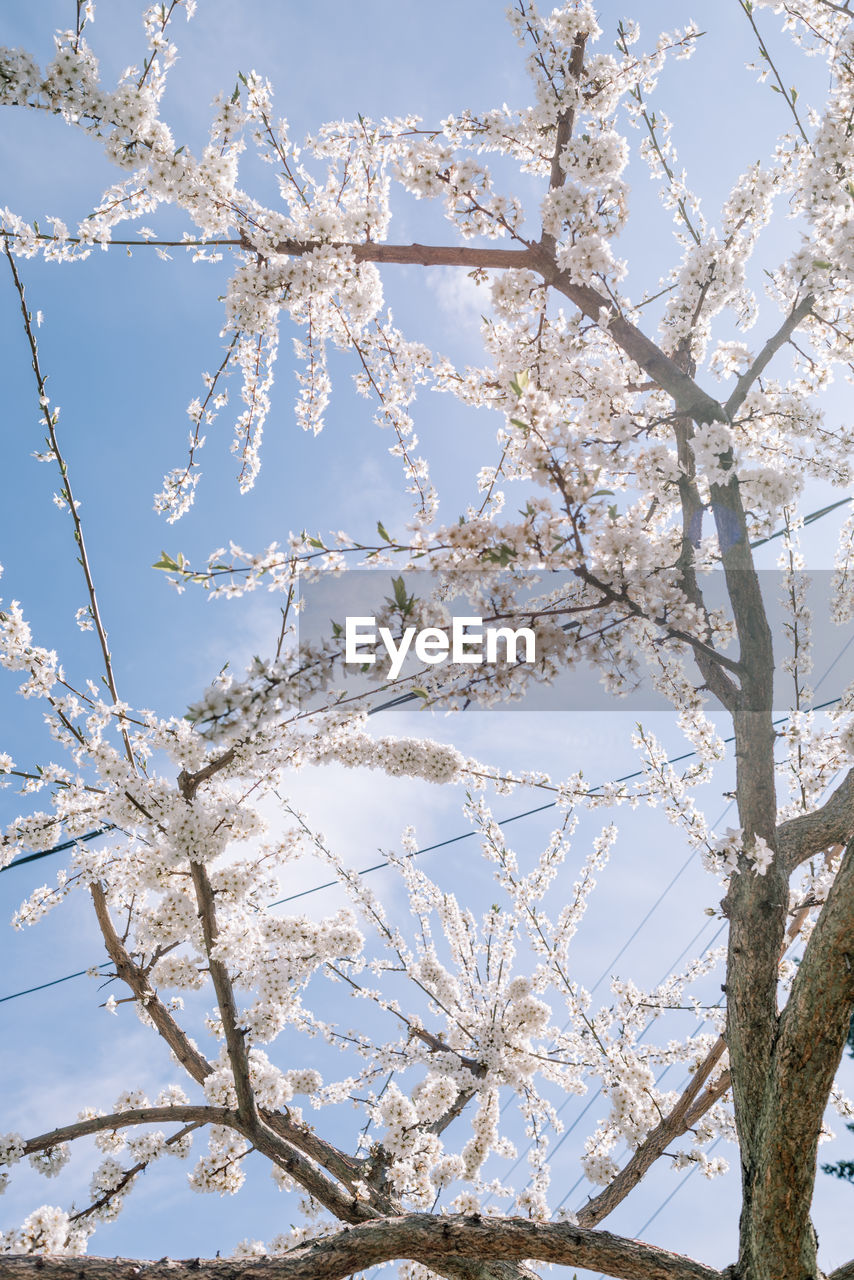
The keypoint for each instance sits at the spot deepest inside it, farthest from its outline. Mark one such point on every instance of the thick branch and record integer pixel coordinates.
(691, 504)
(756, 905)
(691, 401)
(420, 1237)
(418, 255)
(690, 398)
(343, 1204)
(810, 833)
(565, 125)
(812, 1034)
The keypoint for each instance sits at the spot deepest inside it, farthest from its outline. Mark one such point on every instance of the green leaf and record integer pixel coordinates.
(402, 600)
(520, 382)
(166, 562)
(381, 530)
(499, 555)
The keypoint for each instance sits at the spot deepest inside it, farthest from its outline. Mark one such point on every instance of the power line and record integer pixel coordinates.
(566, 1133)
(407, 698)
(625, 946)
(584, 1111)
(58, 848)
(675, 1191)
(810, 519)
(686, 755)
(551, 804)
(81, 973)
(378, 866)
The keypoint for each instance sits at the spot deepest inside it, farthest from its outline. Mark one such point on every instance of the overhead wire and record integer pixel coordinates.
(504, 822)
(58, 848)
(81, 973)
(411, 697)
(551, 804)
(470, 834)
(609, 967)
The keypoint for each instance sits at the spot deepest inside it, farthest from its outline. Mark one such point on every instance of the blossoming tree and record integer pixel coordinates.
(638, 478)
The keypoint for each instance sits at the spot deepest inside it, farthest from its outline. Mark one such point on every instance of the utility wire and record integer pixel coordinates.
(466, 835)
(410, 697)
(55, 983)
(378, 866)
(609, 967)
(589, 1104)
(666, 1201)
(58, 848)
(551, 804)
(810, 519)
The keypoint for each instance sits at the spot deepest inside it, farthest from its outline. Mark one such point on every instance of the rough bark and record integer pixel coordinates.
(756, 905)
(803, 837)
(808, 1048)
(424, 1238)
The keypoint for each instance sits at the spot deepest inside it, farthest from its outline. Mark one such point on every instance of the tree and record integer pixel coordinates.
(636, 481)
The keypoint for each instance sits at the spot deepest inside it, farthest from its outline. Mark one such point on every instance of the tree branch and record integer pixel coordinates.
(719, 683)
(129, 1178)
(810, 833)
(125, 1119)
(423, 1238)
(690, 398)
(565, 125)
(194, 1062)
(419, 255)
(772, 346)
(812, 1034)
(672, 1126)
(234, 1037)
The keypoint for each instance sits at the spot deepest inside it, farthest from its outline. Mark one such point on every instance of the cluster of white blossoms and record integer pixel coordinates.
(458, 1009)
(47, 1230)
(12, 1148)
(221, 1170)
(398, 757)
(52, 1160)
(729, 853)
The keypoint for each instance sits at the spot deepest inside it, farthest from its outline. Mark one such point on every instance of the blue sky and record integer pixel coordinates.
(124, 341)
